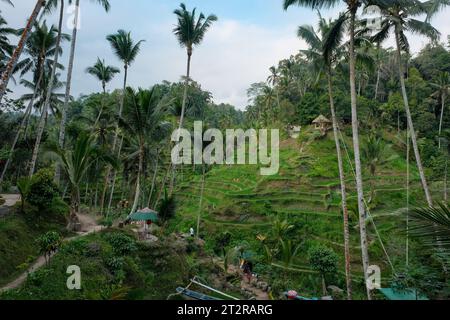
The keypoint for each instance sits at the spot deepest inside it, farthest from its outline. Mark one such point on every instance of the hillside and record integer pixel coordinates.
(306, 192)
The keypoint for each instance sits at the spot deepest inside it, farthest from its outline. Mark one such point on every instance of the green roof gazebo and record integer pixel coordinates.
(144, 215)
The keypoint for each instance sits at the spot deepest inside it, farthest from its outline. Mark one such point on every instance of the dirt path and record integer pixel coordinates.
(88, 226)
(10, 201)
(257, 293)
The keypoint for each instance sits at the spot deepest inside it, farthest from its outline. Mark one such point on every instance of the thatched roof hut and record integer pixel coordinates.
(322, 123)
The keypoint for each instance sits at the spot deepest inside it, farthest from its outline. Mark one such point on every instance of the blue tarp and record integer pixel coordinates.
(405, 294)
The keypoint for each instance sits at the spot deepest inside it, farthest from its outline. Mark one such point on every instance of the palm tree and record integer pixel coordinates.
(126, 50)
(142, 120)
(49, 6)
(348, 17)
(376, 153)
(6, 49)
(446, 136)
(43, 42)
(398, 17)
(104, 74)
(273, 80)
(432, 226)
(18, 51)
(40, 46)
(324, 52)
(62, 130)
(75, 164)
(190, 32)
(442, 87)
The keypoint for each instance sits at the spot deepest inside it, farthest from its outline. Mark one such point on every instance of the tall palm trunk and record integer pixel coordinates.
(62, 129)
(116, 136)
(42, 120)
(443, 98)
(355, 127)
(114, 178)
(37, 144)
(200, 209)
(410, 122)
(155, 174)
(343, 190)
(163, 185)
(445, 183)
(183, 110)
(18, 51)
(22, 126)
(102, 106)
(377, 85)
(74, 207)
(138, 182)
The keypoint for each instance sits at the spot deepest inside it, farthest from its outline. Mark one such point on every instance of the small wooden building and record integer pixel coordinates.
(294, 131)
(322, 123)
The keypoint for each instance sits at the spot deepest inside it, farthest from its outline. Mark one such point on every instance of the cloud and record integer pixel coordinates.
(235, 53)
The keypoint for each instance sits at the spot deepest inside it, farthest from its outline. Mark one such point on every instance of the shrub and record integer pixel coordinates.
(42, 189)
(167, 207)
(49, 243)
(323, 259)
(122, 244)
(5, 186)
(221, 242)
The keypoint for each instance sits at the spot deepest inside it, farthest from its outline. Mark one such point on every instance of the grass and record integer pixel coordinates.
(306, 191)
(142, 272)
(17, 243)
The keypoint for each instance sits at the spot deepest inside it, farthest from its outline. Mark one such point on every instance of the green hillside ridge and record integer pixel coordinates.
(306, 192)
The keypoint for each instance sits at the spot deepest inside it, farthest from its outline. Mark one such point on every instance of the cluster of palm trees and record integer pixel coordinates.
(327, 49)
(138, 120)
(130, 126)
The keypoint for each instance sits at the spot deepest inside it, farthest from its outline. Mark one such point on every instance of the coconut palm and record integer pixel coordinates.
(105, 4)
(43, 42)
(398, 16)
(104, 74)
(6, 49)
(376, 153)
(273, 80)
(75, 164)
(37, 102)
(442, 87)
(324, 52)
(41, 46)
(432, 226)
(126, 50)
(18, 51)
(142, 120)
(190, 32)
(349, 18)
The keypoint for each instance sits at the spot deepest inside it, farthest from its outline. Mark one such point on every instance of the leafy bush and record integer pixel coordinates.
(122, 244)
(5, 186)
(49, 243)
(42, 189)
(221, 242)
(167, 208)
(323, 259)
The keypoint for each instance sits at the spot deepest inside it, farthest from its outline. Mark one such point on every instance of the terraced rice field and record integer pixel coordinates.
(237, 197)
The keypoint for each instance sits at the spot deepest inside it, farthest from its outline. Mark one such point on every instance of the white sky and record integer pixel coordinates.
(250, 37)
